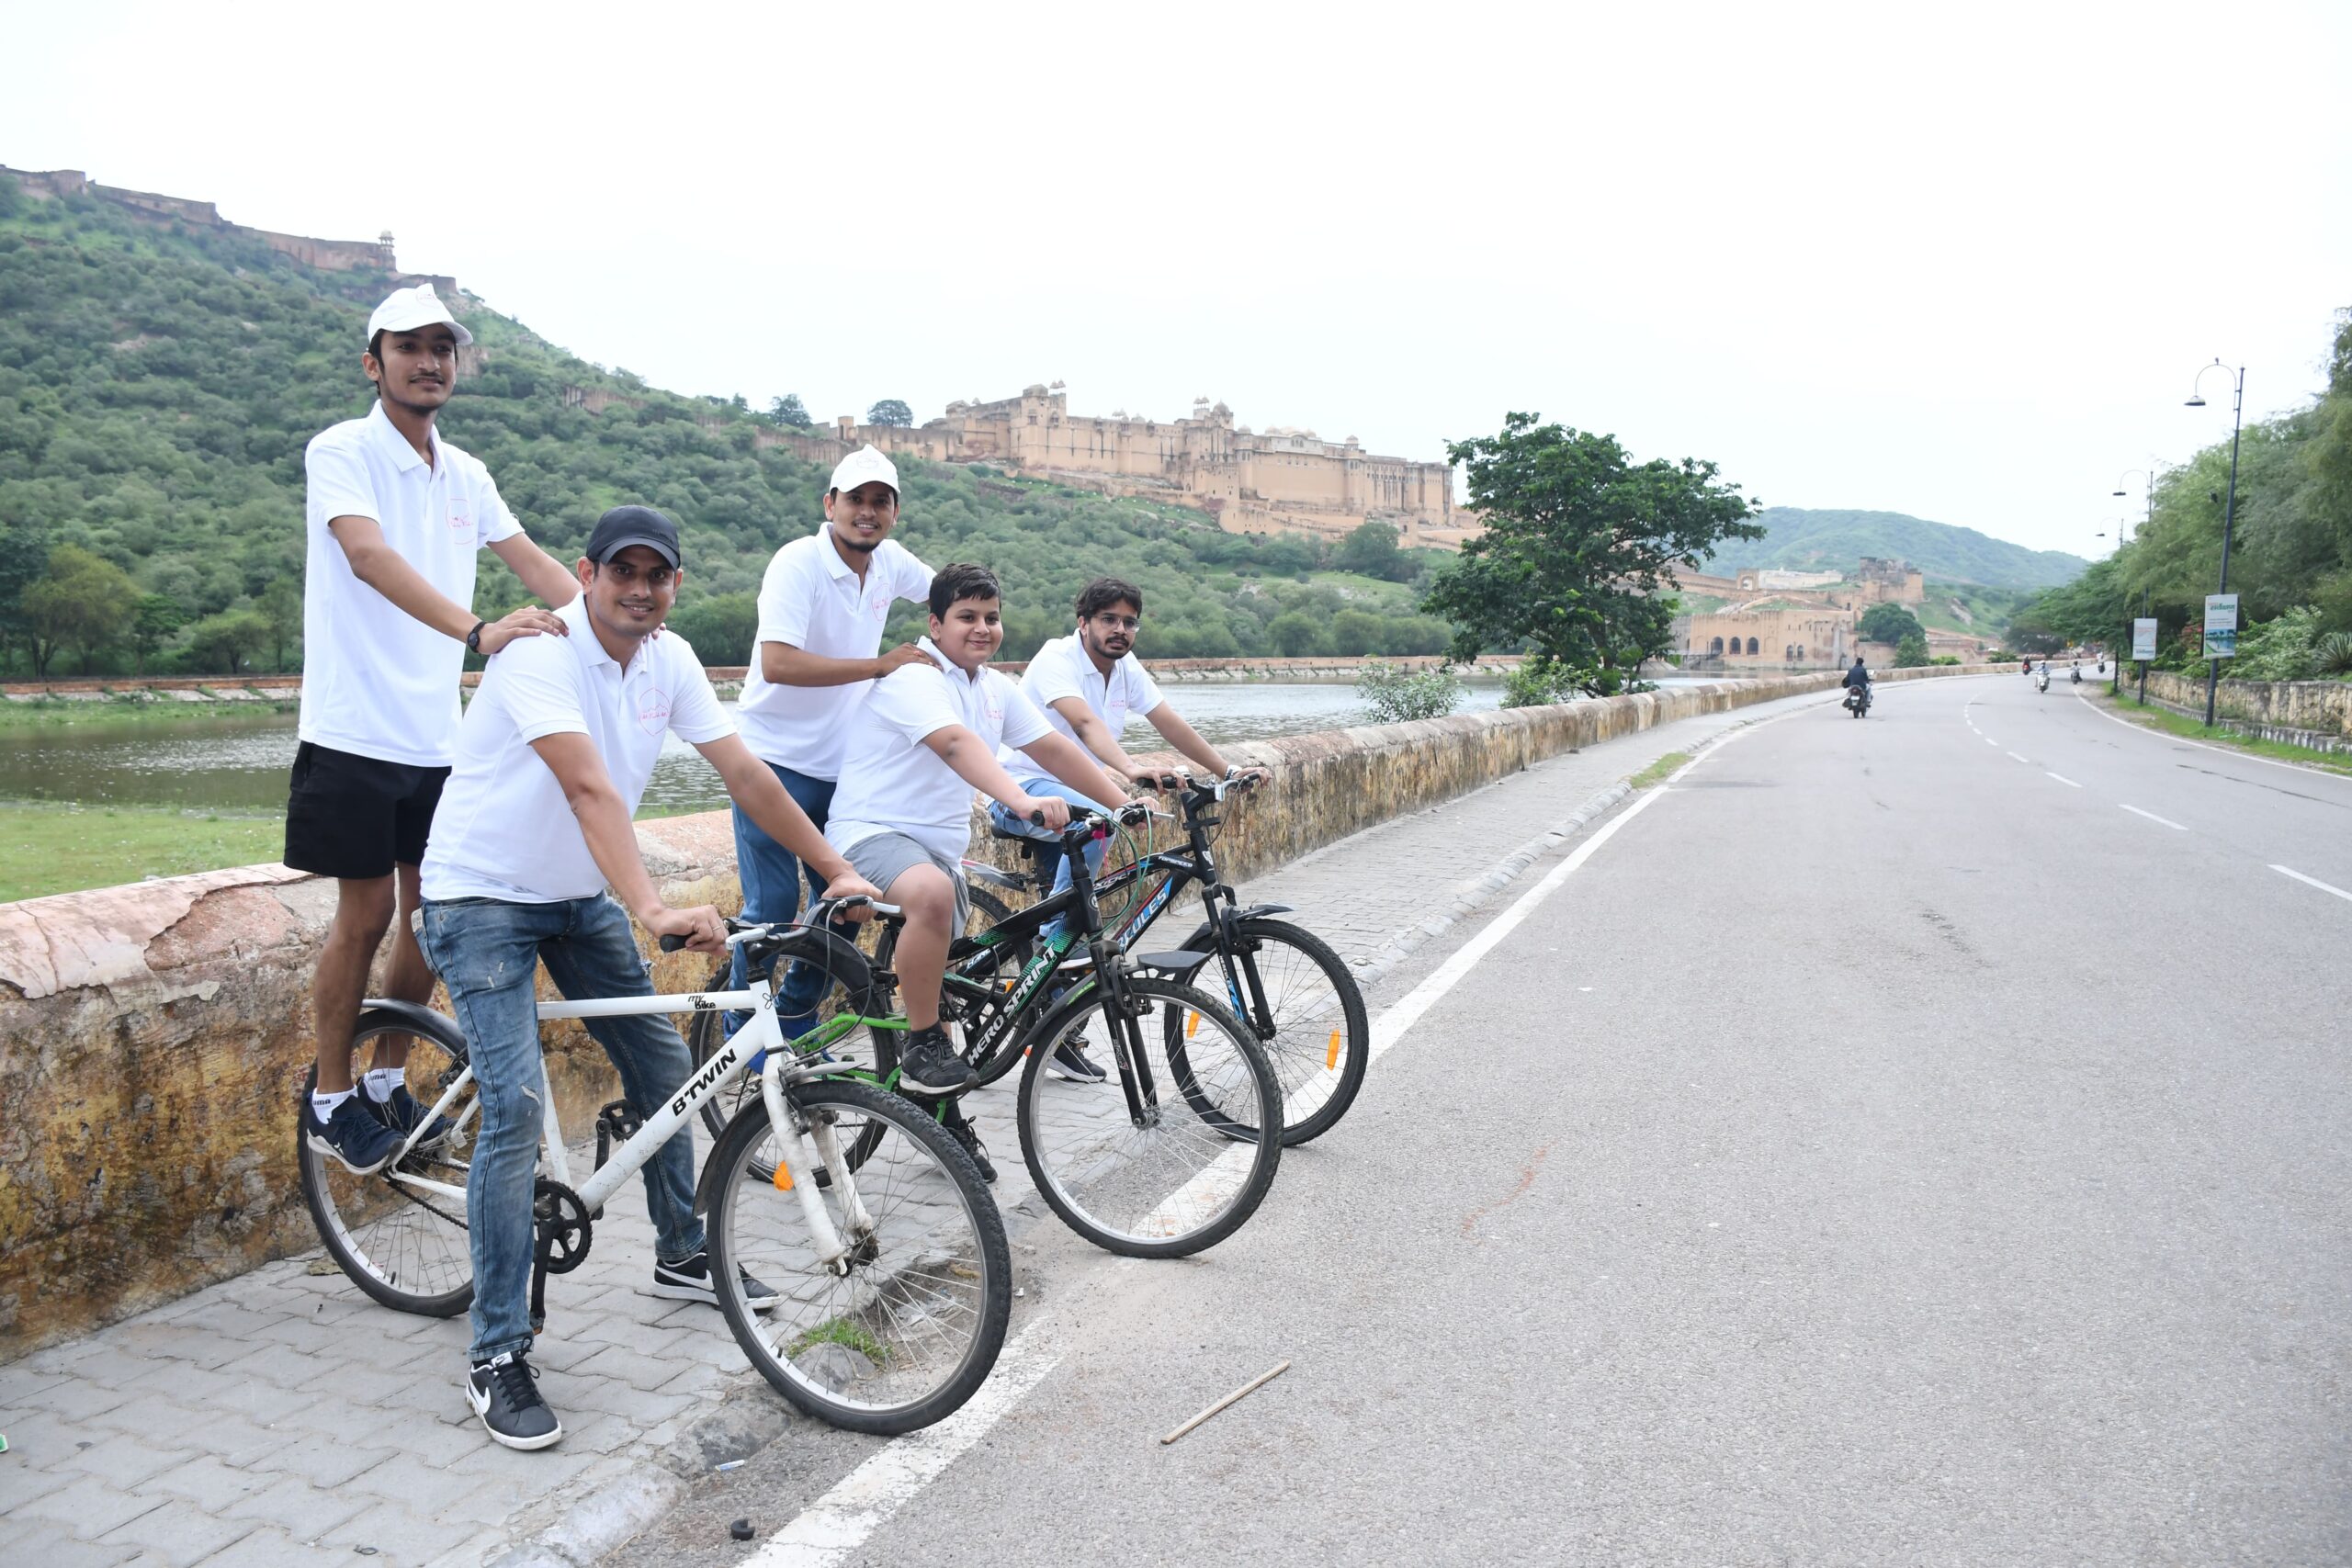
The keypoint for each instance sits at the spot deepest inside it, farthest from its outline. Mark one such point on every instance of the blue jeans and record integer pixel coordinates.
(1006, 821)
(770, 875)
(488, 951)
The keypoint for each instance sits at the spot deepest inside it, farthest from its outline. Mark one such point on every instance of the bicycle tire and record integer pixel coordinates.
(1318, 1041)
(939, 1259)
(1180, 1183)
(404, 1253)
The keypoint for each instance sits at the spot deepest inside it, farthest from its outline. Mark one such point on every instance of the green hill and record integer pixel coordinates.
(158, 382)
(1802, 540)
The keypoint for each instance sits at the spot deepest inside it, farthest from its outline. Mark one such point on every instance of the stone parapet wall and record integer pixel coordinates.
(152, 1037)
(2310, 712)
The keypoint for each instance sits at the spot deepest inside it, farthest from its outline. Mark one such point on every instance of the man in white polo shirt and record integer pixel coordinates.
(1088, 684)
(928, 737)
(822, 605)
(396, 517)
(532, 830)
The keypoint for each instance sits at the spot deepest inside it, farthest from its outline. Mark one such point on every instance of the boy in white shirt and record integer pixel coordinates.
(532, 830)
(927, 737)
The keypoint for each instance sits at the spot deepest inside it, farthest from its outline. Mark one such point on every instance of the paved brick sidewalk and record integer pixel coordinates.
(281, 1417)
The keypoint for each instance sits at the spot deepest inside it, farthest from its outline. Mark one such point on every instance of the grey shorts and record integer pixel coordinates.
(885, 857)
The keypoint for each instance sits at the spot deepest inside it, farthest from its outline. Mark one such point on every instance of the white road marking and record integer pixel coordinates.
(2015, 757)
(860, 1502)
(2154, 818)
(2183, 740)
(1990, 741)
(2064, 780)
(2314, 881)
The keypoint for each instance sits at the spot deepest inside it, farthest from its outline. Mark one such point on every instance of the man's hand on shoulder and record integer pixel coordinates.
(528, 621)
(906, 653)
(701, 926)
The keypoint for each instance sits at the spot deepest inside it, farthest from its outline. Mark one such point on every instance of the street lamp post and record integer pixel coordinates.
(2229, 506)
(2148, 477)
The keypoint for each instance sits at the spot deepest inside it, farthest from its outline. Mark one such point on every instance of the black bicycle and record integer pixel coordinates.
(1297, 995)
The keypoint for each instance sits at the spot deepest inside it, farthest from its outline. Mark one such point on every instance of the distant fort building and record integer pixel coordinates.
(1277, 480)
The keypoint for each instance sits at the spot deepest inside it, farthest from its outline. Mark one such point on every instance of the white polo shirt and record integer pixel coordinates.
(375, 680)
(892, 783)
(503, 830)
(1062, 669)
(811, 599)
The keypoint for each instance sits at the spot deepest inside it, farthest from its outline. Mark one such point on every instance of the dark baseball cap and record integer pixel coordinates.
(625, 526)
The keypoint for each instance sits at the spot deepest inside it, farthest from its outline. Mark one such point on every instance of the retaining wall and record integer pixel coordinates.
(153, 1036)
(2303, 712)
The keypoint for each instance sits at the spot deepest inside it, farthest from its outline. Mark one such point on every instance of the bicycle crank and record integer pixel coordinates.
(564, 1230)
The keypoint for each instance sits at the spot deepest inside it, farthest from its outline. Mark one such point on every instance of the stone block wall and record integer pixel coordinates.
(2319, 709)
(152, 1037)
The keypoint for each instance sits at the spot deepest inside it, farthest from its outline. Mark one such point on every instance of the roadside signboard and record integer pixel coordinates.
(2144, 640)
(2220, 626)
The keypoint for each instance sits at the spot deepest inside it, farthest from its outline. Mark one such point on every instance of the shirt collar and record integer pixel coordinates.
(833, 562)
(946, 665)
(381, 425)
(585, 645)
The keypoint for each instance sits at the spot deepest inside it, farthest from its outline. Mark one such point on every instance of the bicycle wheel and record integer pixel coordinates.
(1305, 1009)
(1174, 1179)
(705, 1032)
(403, 1244)
(905, 1337)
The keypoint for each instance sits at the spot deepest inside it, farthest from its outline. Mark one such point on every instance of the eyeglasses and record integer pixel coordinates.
(1119, 622)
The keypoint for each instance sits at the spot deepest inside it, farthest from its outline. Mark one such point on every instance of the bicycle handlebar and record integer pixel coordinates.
(740, 932)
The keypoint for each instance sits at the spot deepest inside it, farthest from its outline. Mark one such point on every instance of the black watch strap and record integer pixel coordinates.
(473, 638)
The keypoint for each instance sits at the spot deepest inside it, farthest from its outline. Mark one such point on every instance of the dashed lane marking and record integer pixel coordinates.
(2154, 818)
(2016, 758)
(2312, 881)
(2062, 779)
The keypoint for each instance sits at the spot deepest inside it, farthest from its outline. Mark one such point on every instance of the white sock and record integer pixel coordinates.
(322, 1105)
(382, 1081)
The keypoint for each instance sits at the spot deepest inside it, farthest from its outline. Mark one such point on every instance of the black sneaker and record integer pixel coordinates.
(1069, 1062)
(964, 1132)
(506, 1396)
(689, 1280)
(929, 1065)
(403, 1112)
(352, 1136)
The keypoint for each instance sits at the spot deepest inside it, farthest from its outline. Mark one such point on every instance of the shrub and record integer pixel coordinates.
(1397, 696)
(2282, 648)
(1911, 652)
(2333, 654)
(1538, 681)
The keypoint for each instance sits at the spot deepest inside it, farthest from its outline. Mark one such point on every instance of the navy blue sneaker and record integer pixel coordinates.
(403, 1112)
(352, 1135)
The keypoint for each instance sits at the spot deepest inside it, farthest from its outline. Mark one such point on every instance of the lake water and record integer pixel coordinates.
(238, 762)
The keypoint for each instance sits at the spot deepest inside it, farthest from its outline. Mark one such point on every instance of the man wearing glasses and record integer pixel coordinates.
(1089, 684)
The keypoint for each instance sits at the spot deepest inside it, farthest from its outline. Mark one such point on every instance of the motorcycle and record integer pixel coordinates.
(1858, 700)
(2041, 682)
(2077, 677)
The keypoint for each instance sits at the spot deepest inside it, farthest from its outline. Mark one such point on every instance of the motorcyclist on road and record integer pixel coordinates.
(1858, 679)
(2041, 677)
(2076, 676)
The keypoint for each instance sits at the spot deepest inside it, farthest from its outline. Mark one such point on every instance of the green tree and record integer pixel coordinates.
(1296, 634)
(1397, 695)
(1580, 540)
(224, 640)
(1890, 622)
(1370, 550)
(281, 605)
(153, 622)
(1358, 632)
(1911, 652)
(84, 601)
(720, 626)
(24, 557)
(789, 410)
(891, 412)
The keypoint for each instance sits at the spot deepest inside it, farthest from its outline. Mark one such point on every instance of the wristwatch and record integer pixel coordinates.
(473, 638)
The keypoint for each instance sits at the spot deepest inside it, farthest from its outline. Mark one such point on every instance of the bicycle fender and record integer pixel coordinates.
(423, 1020)
(1182, 965)
(1250, 911)
(981, 870)
(835, 955)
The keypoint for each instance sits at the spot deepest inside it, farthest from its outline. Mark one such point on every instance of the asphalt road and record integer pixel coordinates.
(1886, 1147)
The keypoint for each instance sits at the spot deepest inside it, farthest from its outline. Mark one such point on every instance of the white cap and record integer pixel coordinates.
(864, 466)
(408, 309)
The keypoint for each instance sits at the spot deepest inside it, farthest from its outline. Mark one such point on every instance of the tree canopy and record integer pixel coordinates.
(891, 412)
(1580, 546)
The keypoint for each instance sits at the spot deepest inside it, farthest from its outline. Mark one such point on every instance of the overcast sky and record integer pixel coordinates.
(1960, 261)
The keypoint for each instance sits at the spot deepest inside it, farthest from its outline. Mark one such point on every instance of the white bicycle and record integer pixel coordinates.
(894, 1279)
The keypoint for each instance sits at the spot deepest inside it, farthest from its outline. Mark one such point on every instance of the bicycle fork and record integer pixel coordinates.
(794, 1172)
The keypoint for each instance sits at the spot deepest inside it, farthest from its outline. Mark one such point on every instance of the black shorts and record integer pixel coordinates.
(356, 818)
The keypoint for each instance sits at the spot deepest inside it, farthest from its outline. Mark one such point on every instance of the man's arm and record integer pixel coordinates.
(1187, 740)
(544, 577)
(1057, 756)
(383, 568)
(604, 822)
(782, 664)
(1096, 737)
(975, 762)
(754, 786)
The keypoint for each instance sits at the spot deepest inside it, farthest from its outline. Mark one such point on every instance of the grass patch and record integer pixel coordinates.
(2153, 718)
(125, 708)
(64, 849)
(842, 1331)
(1656, 771)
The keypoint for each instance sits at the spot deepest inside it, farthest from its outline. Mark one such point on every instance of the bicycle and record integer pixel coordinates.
(1179, 1170)
(1297, 995)
(900, 1276)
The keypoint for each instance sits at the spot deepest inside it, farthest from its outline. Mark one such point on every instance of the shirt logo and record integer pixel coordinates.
(653, 710)
(459, 521)
(878, 606)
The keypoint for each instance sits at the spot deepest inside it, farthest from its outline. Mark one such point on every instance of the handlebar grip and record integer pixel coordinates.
(672, 943)
(1037, 819)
